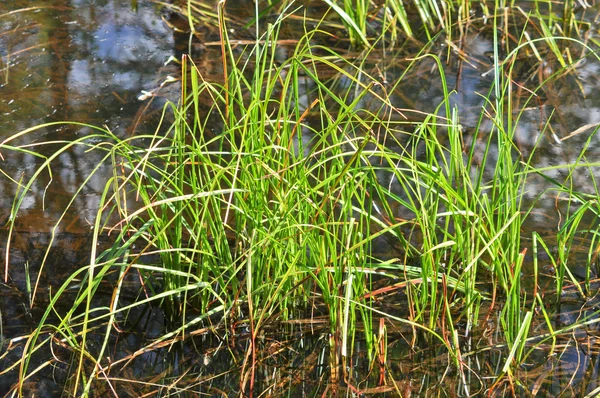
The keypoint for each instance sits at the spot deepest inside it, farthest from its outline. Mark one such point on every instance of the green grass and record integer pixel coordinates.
(264, 194)
(366, 21)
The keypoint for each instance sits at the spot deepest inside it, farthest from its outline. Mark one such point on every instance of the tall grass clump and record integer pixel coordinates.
(262, 195)
(465, 222)
(251, 202)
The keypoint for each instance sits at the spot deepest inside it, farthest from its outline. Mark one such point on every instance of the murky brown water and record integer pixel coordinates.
(89, 61)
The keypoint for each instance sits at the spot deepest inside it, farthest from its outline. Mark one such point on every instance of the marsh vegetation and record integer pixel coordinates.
(337, 198)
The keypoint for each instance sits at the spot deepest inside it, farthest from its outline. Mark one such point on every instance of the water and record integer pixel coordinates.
(66, 61)
(74, 61)
(90, 61)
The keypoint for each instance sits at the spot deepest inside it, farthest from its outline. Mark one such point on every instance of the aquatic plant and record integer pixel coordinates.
(261, 196)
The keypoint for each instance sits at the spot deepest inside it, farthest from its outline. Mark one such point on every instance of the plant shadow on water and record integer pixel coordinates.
(281, 215)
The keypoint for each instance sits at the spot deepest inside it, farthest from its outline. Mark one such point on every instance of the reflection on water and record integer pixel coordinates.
(74, 61)
(65, 60)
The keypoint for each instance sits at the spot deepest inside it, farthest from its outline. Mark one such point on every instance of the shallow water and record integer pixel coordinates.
(66, 61)
(74, 61)
(90, 62)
